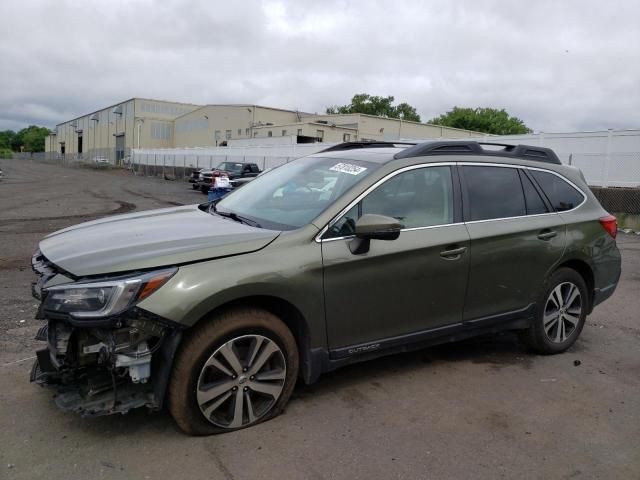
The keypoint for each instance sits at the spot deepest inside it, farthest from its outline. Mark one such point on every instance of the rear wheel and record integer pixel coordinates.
(561, 313)
(232, 372)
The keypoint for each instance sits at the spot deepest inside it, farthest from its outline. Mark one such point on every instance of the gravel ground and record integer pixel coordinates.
(480, 409)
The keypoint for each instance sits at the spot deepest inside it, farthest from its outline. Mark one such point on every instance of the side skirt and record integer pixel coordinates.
(515, 320)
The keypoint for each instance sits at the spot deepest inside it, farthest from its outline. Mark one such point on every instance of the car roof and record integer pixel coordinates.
(433, 151)
(376, 155)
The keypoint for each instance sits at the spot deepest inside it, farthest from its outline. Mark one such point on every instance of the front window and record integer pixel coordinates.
(417, 198)
(230, 167)
(292, 195)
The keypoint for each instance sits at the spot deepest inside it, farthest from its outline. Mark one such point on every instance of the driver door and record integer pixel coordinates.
(405, 286)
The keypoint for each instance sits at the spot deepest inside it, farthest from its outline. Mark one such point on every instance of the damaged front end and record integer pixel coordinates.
(103, 355)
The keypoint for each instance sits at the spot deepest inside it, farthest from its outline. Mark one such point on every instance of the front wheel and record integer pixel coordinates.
(232, 372)
(561, 313)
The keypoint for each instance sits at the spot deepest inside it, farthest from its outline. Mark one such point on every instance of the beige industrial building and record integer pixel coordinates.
(111, 133)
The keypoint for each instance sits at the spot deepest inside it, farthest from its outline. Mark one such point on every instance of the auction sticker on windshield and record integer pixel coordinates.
(348, 168)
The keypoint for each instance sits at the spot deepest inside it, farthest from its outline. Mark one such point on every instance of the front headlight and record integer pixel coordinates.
(104, 298)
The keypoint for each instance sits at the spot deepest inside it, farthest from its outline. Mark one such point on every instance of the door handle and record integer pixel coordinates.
(452, 253)
(547, 234)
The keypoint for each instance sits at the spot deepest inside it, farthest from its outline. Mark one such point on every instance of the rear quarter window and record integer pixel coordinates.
(561, 195)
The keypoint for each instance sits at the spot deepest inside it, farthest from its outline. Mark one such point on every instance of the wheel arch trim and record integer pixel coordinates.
(285, 310)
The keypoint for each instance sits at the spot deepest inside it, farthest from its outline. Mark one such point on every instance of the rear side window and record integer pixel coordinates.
(493, 192)
(561, 195)
(535, 204)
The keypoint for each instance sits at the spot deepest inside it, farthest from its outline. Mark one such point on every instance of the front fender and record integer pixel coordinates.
(286, 270)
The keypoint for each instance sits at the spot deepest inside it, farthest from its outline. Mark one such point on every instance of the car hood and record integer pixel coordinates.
(154, 238)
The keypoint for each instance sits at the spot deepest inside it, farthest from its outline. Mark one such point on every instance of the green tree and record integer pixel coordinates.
(379, 106)
(6, 139)
(31, 138)
(486, 120)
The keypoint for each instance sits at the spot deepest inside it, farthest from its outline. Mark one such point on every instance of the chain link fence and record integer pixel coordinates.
(101, 157)
(181, 162)
(618, 199)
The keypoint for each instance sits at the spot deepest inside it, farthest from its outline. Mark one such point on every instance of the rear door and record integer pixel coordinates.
(412, 284)
(515, 239)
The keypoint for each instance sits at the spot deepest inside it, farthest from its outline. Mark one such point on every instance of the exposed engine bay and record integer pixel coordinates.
(119, 364)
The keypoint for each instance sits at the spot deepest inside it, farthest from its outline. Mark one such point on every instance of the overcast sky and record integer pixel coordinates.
(559, 66)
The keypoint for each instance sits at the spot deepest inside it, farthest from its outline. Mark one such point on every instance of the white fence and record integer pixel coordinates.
(609, 158)
(265, 156)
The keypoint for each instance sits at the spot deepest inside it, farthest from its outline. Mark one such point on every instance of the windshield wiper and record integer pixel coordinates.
(237, 218)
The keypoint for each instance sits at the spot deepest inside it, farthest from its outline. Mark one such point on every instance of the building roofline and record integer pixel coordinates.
(125, 101)
(403, 121)
(305, 123)
(246, 105)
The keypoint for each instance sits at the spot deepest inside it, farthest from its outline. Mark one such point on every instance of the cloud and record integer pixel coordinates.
(557, 65)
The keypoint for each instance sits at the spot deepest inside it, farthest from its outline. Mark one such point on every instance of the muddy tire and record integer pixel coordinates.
(232, 371)
(560, 314)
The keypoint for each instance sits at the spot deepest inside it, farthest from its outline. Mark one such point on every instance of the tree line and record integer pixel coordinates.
(483, 119)
(30, 139)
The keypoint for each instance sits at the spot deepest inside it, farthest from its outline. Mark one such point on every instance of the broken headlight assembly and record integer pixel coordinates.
(100, 349)
(99, 299)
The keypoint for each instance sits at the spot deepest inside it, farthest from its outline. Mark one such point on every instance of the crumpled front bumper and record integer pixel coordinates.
(105, 367)
(92, 380)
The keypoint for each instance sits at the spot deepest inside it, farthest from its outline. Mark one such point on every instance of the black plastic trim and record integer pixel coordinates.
(505, 321)
(161, 366)
(458, 197)
(363, 144)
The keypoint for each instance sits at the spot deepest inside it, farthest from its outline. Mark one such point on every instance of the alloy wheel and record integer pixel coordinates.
(241, 382)
(562, 312)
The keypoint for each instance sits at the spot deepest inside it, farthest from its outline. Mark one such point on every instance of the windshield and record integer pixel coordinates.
(292, 195)
(230, 167)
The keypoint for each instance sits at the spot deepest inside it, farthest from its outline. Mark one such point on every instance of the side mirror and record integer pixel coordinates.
(373, 227)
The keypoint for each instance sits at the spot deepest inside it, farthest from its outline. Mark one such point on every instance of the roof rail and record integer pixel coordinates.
(364, 144)
(468, 147)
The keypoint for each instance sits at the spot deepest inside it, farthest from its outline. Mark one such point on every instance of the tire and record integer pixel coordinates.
(194, 186)
(555, 327)
(201, 361)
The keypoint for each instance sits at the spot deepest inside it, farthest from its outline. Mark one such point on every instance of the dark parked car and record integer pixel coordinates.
(348, 254)
(194, 177)
(234, 170)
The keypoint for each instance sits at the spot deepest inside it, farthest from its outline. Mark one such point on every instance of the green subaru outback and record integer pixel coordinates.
(358, 251)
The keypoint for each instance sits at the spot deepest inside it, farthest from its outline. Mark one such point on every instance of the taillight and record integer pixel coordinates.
(610, 224)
